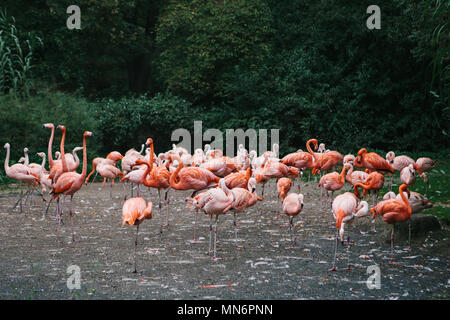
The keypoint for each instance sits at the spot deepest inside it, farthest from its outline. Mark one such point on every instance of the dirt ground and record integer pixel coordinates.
(33, 265)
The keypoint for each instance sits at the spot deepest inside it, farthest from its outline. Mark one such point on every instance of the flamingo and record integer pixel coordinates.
(238, 179)
(345, 209)
(372, 161)
(417, 201)
(408, 175)
(115, 156)
(400, 162)
(66, 164)
(109, 171)
(283, 186)
(333, 181)
(157, 178)
(273, 169)
(292, 206)
(425, 164)
(243, 198)
(19, 172)
(349, 158)
(354, 177)
(134, 212)
(374, 182)
(69, 183)
(191, 178)
(393, 211)
(215, 201)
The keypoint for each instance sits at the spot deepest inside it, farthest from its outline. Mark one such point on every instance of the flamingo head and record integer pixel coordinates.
(25, 150)
(149, 142)
(293, 172)
(402, 188)
(390, 157)
(340, 214)
(49, 125)
(300, 199)
(315, 143)
(87, 133)
(148, 211)
(41, 154)
(252, 184)
(61, 127)
(7, 145)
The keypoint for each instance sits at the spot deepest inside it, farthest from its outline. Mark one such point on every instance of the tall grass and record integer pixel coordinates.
(16, 57)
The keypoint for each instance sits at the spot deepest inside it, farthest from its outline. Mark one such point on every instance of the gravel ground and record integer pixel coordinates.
(33, 264)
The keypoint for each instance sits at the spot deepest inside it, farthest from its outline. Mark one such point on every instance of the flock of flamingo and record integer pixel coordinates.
(222, 184)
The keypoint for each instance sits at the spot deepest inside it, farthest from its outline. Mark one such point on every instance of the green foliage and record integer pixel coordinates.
(22, 120)
(16, 57)
(130, 121)
(202, 42)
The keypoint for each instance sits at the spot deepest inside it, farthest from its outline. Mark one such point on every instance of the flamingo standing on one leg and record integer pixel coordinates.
(215, 201)
(69, 183)
(345, 209)
(243, 198)
(372, 161)
(157, 178)
(191, 178)
(393, 211)
(134, 212)
(292, 206)
(333, 181)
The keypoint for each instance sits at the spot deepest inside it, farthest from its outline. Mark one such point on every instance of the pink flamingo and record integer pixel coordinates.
(191, 178)
(292, 206)
(69, 183)
(394, 211)
(243, 198)
(134, 212)
(333, 181)
(345, 209)
(215, 201)
(157, 178)
(21, 173)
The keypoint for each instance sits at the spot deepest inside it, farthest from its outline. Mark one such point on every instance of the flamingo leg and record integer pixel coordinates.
(392, 244)
(135, 246)
(335, 251)
(195, 225)
(235, 229)
(70, 217)
(348, 252)
(215, 238)
(60, 212)
(262, 193)
(96, 173)
(167, 198)
(20, 199)
(160, 214)
(210, 233)
(409, 234)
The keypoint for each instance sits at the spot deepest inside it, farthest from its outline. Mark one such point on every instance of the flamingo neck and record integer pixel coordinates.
(342, 175)
(174, 176)
(50, 143)
(405, 200)
(27, 160)
(6, 164)
(83, 172)
(308, 147)
(43, 162)
(63, 157)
